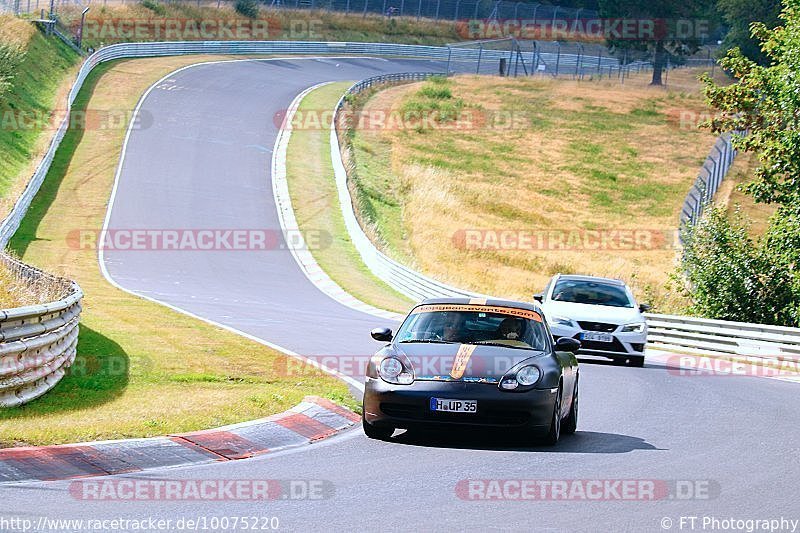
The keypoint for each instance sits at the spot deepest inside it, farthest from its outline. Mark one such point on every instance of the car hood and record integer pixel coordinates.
(595, 313)
(462, 362)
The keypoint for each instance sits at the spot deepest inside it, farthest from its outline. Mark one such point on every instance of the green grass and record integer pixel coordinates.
(315, 202)
(141, 369)
(32, 94)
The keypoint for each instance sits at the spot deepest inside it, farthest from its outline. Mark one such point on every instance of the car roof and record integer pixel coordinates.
(596, 279)
(484, 301)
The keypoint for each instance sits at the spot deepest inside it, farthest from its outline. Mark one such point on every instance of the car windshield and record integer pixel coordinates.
(473, 324)
(592, 293)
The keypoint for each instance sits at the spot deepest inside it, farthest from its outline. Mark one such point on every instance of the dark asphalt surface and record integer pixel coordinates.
(205, 163)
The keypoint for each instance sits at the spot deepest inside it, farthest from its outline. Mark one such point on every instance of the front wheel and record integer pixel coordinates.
(376, 432)
(571, 422)
(555, 424)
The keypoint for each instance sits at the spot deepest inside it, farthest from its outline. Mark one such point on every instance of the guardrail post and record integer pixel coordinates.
(558, 56)
(480, 53)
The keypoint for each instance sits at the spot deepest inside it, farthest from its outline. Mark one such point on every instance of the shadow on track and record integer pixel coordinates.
(580, 442)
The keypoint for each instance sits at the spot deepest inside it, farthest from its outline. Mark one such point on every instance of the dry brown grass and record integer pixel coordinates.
(17, 290)
(591, 156)
(15, 31)
(731, 195)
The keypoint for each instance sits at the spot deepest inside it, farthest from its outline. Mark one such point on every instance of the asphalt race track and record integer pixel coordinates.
(205, 163)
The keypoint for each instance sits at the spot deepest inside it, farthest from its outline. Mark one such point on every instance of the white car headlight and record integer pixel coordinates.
(528, 375)
(636, 327)
(562, 321)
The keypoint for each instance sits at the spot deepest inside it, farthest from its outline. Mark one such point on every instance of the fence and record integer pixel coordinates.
(37, 342)
(712, 173)
(446, 10)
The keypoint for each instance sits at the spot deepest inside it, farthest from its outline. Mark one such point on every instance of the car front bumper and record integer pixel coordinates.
(624, 345)
(408, 406)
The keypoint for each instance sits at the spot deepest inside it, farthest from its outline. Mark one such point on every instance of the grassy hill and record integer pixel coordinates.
(36, 86)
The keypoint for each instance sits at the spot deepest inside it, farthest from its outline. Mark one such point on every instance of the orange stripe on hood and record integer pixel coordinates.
(461, 360)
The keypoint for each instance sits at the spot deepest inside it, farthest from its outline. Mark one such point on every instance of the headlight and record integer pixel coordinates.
(392, 370)
(391, 367)
(562, 321)
(638, 327)
(528, 375)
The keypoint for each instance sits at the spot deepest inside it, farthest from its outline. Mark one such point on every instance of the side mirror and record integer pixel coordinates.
(381, 334)
(568, 344)
(643, 308)
(538, 297)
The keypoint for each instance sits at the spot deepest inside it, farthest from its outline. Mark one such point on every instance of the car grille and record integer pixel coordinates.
(488, 416)
(597, 326)
(614, 346)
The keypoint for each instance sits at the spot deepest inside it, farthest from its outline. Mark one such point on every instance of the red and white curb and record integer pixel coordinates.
(311, 420)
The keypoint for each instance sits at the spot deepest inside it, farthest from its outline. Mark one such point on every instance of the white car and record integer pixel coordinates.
(600, 312)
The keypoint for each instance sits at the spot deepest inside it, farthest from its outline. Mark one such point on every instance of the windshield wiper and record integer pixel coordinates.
(490, 343)
(431, 341)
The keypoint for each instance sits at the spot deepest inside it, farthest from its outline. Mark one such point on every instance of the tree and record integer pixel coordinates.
(733, 278)
(680, 27)
(765, 103)
(739, 15)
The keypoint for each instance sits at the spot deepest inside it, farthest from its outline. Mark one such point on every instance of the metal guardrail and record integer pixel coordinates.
(401, 278)
(702, 335)
(714, 170)
(37, 342)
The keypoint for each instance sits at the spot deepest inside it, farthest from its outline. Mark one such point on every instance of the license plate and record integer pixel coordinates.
(454, 406)
(597, 337)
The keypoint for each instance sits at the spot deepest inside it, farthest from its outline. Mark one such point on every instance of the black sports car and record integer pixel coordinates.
(472, 362)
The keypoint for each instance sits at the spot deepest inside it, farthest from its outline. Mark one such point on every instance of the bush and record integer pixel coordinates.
(732, 277)
(10, 58)
(248, 8)
(155, 7)
(436, 93)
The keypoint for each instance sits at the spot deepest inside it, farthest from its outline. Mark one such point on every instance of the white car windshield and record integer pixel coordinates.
(592, 293)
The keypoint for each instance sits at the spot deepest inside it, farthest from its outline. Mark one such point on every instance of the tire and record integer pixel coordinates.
(554, 433)
(570, 424)
(376, 432)
(637, 361)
